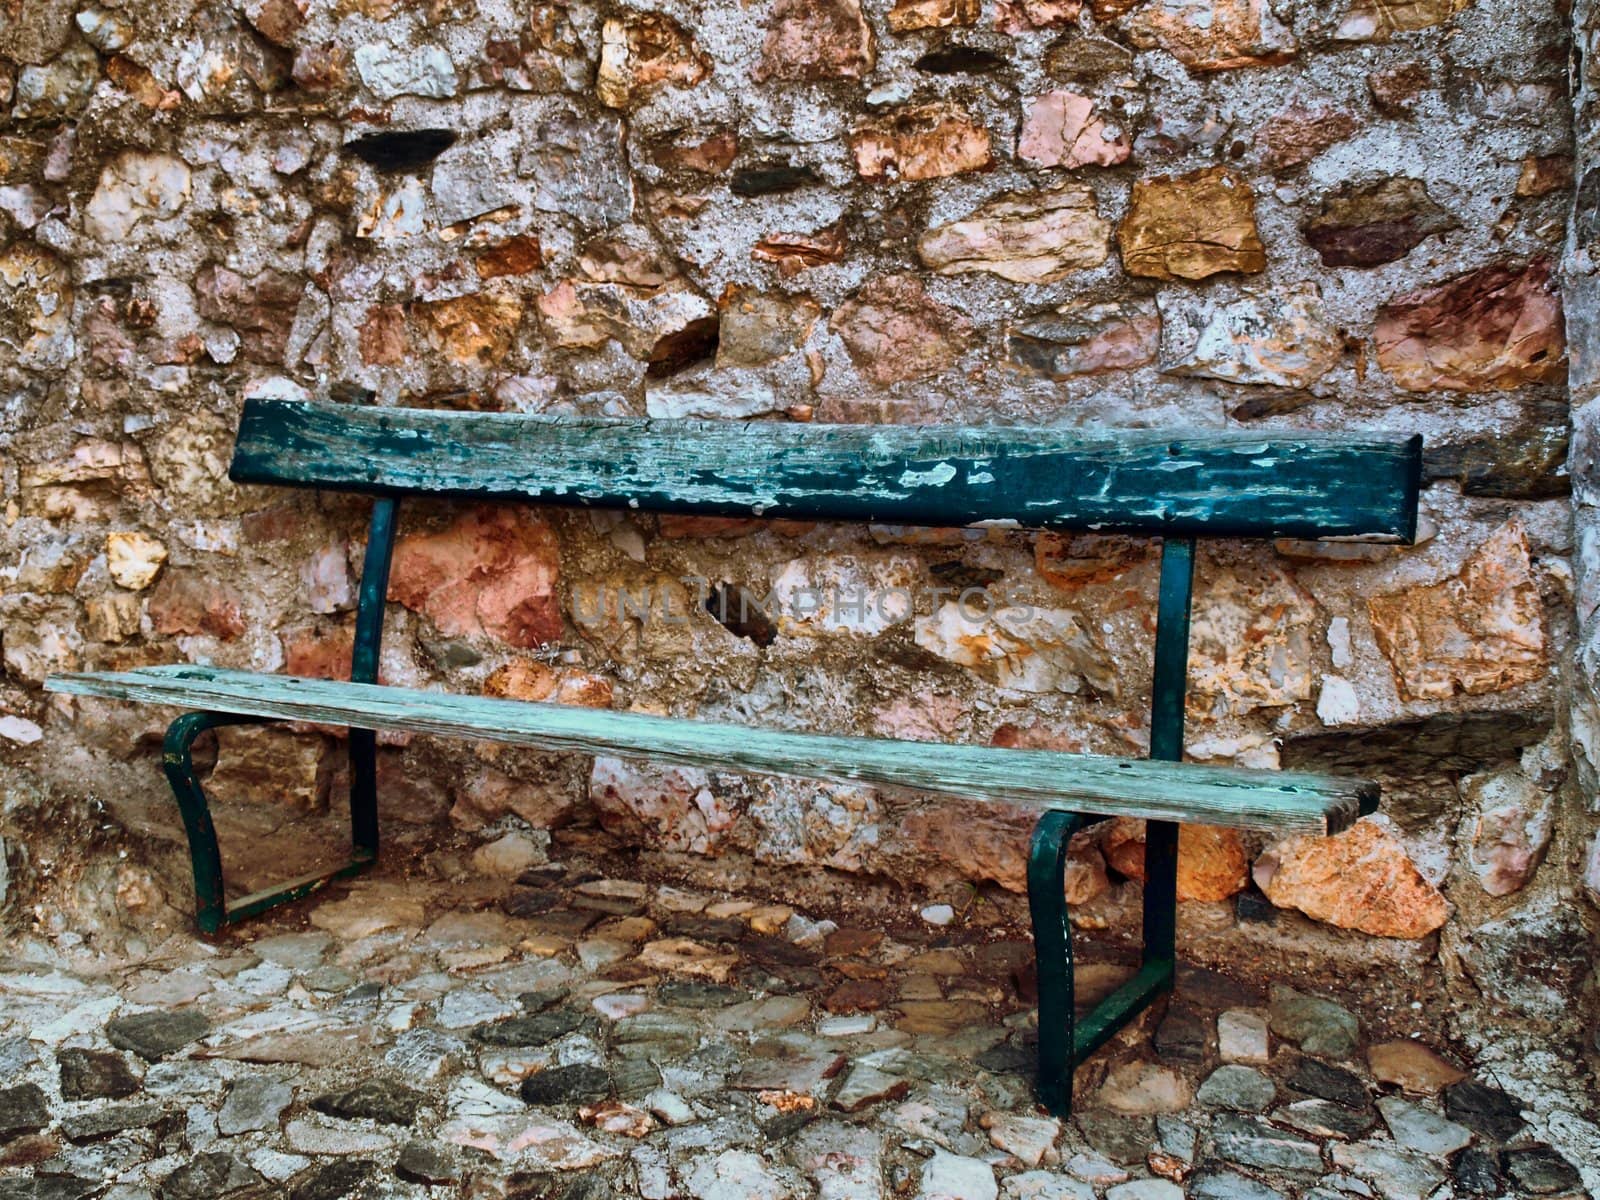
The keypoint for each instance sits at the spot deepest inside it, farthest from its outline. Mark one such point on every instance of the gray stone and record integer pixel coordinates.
(22, 1110)
(866, 1085)
(210, 1176)
(1532, 961)
(1320, 1026)
(332, 1181)
(1496, 1114)
(579, 166)
(687, 993)
(254, 1102)
(1145, 1189)
(1419, 1128)
(534, 1030)
(1398, 1174)
(426, 1162)
(1182, 1034)
(1120, 1138)
(154, 1035)
(1243, 1089)
(1541, 1170)
(108, 1119)
(954, 1177)
(297, 951)
(17, 1054)
(1251, 1142)
(328, 978)
(1312, 1078)
(1176, 1138)
(1476, 1172)
(381, 1100)
(1217, 1183)
(573, 1084)
(95, 1075)
(389, 72)
(1324, 1118)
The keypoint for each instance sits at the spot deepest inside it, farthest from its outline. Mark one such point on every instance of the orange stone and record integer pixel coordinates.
(1480, 631)
(1213, 35)
(383, 340)
(907, 15)
(990, 842)
(1212, 864)
(926, 141)
(1360, 879)
(1191, 226)
(816, 39)
(520, 255)
(493, 570)
(477, 329)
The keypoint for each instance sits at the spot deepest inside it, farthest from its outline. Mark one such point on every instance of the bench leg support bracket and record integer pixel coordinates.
(212, 909)
(1064, 1040)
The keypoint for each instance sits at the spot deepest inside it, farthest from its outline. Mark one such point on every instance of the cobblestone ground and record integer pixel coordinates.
(587, 1037)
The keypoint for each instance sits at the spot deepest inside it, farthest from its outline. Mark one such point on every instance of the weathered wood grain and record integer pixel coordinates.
(1283, 802)
(1129, 481)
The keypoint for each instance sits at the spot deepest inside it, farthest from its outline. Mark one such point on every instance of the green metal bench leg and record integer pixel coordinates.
(212, 910)
(1064, 1042)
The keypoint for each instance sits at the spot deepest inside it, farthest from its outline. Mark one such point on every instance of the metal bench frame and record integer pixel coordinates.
(1064, 1041)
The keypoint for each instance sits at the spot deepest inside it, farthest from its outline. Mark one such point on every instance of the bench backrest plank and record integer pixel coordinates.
(1123, 481)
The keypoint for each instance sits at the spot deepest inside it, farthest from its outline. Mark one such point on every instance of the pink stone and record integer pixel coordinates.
(189, 602)
(1061, 130)
(493, 571)
(672, 808)
(326, 579)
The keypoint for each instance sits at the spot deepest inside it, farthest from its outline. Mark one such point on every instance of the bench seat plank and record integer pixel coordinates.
(1141, 481)
(1279, 801)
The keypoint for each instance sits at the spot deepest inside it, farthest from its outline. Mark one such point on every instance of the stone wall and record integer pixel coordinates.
(1218, 213)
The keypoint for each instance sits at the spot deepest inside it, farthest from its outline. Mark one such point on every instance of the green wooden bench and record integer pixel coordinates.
(1176, 486)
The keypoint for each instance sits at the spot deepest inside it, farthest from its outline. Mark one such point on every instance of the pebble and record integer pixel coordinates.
(1138, 1088)
(1242, 1036)
(1418, 1128)
(1029, 1140)
(1091, 1168)
(424, 1162)
(955, 1177)
(865, 1086)
(22, 1110)
(1398, 1174)
(938, 914)
(1243, 1089)
(380, 1100)
(1413, 1067)
(254, 1102)
(154, 1035)
(95, 1075)
(1320, 1026)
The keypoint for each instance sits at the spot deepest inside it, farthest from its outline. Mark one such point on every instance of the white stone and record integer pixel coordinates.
(1095, 1169)
(510, 855)
(308, 1137)
(1030, 1140)
(1030, 649)
(1339, 642)
(1146, 1189)
(669, 1107)
(1338, 703)
(1242, 1036)
(955, 1177)
(1044, 1185)
(938, 914)
(389, 71)
(1419, 1128)
(735, 1175)
(852, 1026)
(1281, 338)
(474, 1006)
(747, 395)
(135, 188)
(276, 1165)
(20, 730)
